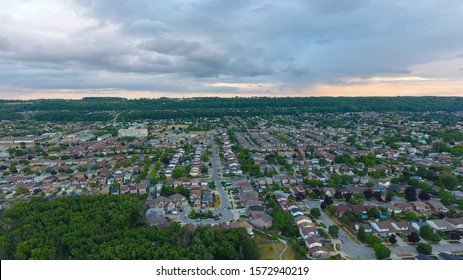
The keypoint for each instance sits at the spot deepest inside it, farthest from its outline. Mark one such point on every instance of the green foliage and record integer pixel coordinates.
(331, 209)
(20, 190)
(447, 181)
(109, 227)
(285, 222)
(361, 235)
(178, 172)
(315, 212)
(424, 248)
(382, 251)
(333, 231)
(440, 147)
(411, 216)
(167, 190)
(428, 233)
(372, 240)
(374, 213)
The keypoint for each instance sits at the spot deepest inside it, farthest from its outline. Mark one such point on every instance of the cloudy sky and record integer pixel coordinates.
(147, 48)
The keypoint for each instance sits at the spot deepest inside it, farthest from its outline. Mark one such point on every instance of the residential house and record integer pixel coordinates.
(457, 223)
(420, 206)
(401, 227)
(437, 206)
(367, 227)
(243, 224)
(161, 202)
(178, 199)
(207, 198)
(440, 225)
(307, 229)
(393, 209)
(296, 212)
(159, 221)
(262, 222)
(256, 211)
(341, 209)
(302, 219)
(311, 242)
(404, 206)
(383, 228)
(319, 252)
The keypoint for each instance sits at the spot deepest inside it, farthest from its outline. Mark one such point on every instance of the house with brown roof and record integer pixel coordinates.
(311, 242)
(383, 228)
(401, 227)
(319, 252)
(457, 223)
(437, 206)
(256, 211)
(178, 199)
(404, 206)
(420, 206)
(307, 231)
(243, 224)
(341, 209)
(302, 219)
(160, 202)
(262, 222)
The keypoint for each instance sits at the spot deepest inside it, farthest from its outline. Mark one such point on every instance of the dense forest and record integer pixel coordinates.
(109, 227)
(100, 108)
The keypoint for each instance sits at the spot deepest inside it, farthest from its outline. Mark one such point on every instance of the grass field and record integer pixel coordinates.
(268, 251)
(290, 254)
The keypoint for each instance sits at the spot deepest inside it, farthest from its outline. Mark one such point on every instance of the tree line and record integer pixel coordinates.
(109, 227)
(164, 108)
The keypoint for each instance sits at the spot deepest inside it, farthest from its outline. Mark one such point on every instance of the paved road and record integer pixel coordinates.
(284, 248)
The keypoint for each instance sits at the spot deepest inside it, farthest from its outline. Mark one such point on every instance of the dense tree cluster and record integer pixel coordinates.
(109, 227)
(166, 108)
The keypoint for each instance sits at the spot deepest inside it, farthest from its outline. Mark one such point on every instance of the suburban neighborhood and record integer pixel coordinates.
(316, 186)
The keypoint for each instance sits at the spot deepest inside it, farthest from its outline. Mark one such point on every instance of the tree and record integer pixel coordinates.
(414, 237)
(427, 232)
(328, 200)
(424, 195)
(333, 231)
(374, 213)
(424, 248)
(410, 194)
(368, 194)
(411, 216)
(372, 240)
(447, 181)
(178, 172)
(315, 212)
(323, 206)
(21, 191)
(331, 209)
(361, 235)
(392, 239)
(352, 201)
(382, 251)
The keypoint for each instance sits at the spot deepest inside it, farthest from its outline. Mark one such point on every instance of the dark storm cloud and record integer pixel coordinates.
(188, 44)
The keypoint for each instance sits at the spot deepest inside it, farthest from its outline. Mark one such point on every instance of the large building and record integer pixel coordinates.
(133, 132)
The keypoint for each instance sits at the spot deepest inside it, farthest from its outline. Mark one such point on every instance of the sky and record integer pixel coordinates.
(148, 48)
